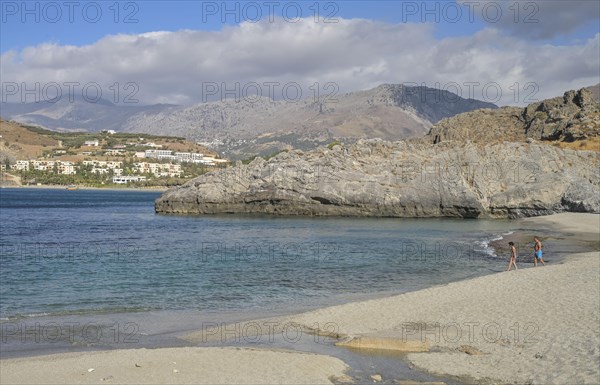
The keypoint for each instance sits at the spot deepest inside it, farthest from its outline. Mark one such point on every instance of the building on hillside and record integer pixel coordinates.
(62, 166)
(181, 157)
(21, 165)
(99, 170)
(191, 157)
(210, 161)
(92, 143)
(158, 169)
(43, 165)
(159, 154)
(113, 151)
(128, 179)
(66, 168)
(103, 164)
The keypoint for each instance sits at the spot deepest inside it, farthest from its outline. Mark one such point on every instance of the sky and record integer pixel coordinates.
(185, 52)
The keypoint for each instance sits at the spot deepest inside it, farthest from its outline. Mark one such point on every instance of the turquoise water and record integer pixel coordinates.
(95, 251)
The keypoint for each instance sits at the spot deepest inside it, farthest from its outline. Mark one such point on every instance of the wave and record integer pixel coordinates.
(485, 244)
(82, 312)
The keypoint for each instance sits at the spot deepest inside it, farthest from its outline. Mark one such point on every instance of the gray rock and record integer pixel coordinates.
(401, 179)
(574, 116)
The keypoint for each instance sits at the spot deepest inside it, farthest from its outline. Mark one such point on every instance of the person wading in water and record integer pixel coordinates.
(513, 257)
(537, 252)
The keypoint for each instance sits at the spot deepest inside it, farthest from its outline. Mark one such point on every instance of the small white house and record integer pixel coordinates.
(127, 179)
(21, 165)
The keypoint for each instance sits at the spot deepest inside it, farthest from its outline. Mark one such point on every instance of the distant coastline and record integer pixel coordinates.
(108, 188)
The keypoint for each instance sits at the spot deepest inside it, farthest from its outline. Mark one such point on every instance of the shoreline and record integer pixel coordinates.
(380, 318)
(535, 325)
(61, 187)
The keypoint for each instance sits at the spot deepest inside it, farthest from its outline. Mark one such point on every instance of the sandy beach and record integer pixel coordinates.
(175, 366)
(535, 326)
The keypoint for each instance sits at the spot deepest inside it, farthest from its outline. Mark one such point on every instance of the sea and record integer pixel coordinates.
(95, 269)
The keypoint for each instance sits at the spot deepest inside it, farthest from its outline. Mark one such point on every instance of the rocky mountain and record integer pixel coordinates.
(574, 116)
(241, 128)
(478, 164)
(77, 114)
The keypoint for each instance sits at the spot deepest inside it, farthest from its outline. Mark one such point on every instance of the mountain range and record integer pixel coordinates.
(241, 128)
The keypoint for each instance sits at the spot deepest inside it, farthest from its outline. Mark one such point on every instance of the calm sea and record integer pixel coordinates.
(97, 269)
(97, 251)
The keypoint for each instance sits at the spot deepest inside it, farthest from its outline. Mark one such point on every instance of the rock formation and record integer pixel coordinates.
(574, 116)
(463, 168)
(378, 178)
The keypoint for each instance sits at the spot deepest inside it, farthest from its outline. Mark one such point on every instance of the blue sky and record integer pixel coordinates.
(553, 45)
(147, 16)
(80, 24)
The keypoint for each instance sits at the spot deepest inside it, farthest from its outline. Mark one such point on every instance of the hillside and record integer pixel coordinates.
(30, 142)
(574, 117)
(18, 142)
(478, 164)
(241, 129)
(246, 127)
(33, 155)
(76, 114)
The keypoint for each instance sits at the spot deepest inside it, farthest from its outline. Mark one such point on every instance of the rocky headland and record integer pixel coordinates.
(485, 163)
(572, 117)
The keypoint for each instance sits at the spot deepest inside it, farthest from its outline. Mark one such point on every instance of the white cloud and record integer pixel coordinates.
(535, 19)
(172, 67)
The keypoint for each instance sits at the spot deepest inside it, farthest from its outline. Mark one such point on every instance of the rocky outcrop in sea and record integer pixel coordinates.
(378, 178)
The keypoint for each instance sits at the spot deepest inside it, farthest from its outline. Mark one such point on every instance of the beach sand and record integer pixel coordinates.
(584, 226)
(535, 326)
(174, 366)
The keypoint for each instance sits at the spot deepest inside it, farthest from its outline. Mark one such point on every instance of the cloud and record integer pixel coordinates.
(535, 19)
(177, 67)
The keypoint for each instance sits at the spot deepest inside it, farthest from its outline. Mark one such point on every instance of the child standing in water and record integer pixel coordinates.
(513, 257)
(537, 252)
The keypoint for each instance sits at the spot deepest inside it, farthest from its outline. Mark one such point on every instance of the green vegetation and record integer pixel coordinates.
(85, 176)
(44, 177)
(267, 157)
(77, 139)
(333, 144)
